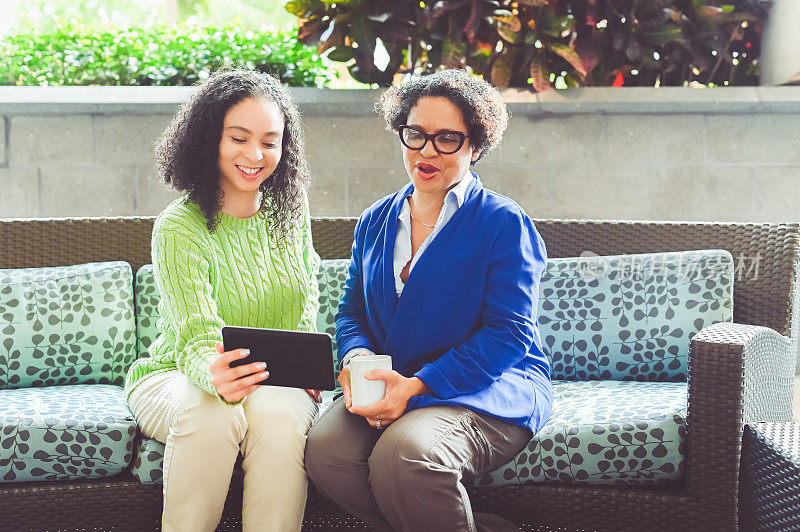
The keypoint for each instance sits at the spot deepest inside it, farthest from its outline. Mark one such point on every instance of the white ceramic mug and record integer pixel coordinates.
(365, 392)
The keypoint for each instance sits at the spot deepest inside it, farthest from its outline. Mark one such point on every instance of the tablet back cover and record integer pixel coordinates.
(294, 359)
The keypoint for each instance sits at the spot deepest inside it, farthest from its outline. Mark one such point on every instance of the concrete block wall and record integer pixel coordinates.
(727, 154)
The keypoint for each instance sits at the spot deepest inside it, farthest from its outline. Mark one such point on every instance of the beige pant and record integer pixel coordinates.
(203, 438)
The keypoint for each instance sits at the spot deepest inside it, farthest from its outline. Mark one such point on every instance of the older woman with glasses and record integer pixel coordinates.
(444, 278)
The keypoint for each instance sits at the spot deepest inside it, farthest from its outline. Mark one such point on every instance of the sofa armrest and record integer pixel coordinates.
(737, 373)
(767, 368)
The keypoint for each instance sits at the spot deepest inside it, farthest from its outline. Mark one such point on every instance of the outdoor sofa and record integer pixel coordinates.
(739, 363)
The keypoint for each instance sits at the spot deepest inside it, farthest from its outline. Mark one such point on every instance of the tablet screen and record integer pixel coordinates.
(294, 359)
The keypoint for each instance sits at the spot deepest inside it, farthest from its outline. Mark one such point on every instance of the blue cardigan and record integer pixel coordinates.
(466, 321)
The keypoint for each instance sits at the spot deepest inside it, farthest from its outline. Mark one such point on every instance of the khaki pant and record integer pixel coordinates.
(203, 438)
(409, 476)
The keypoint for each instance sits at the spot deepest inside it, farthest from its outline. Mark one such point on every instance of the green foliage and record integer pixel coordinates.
(539, 43)
(160, 56)
(44, 16)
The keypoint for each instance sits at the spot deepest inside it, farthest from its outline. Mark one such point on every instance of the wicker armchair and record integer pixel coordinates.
(739, 372)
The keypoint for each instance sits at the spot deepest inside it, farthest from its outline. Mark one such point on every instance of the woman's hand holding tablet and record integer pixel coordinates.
(235, 383)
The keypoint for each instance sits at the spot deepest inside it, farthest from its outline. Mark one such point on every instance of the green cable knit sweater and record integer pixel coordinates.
(236, 275)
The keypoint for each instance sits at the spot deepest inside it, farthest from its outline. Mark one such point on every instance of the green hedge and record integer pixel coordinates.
(154, 56)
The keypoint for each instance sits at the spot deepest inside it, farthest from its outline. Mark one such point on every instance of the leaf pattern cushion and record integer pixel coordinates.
(148, 466)
(622, 317)
(600, 432)
(604, 432)
(64, 432)
(631, 317)
(66, 325)
(146, 299)
(331, 276)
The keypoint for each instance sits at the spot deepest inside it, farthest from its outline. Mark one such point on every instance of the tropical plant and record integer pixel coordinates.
(541, 42)
(73, 55)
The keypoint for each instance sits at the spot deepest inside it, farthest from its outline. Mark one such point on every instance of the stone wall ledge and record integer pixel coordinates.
(591, 100)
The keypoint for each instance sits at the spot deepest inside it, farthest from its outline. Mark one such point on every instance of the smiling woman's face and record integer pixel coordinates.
(430, 171)
(250, 146)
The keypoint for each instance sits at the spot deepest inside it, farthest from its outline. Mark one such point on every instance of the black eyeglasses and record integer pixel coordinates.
(445, 143)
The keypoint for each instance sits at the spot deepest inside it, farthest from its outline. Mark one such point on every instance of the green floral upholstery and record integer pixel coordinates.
(66, 325)
(149, 463)
(600, 432)
(331, 276)
(631, 317)
(604, 432)
(146, 299)
(64, 432)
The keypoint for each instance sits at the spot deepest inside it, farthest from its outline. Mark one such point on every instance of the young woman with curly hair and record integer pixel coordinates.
(444, 277)
(234, 250)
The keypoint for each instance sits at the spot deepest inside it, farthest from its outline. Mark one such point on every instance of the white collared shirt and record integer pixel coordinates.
(453, 200)
(402, 245)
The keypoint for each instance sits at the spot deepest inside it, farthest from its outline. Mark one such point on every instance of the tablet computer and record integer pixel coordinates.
(294, 359)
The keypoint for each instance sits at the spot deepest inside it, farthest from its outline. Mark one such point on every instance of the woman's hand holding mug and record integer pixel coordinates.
(375, 391)
(399, 391)
(344, 380)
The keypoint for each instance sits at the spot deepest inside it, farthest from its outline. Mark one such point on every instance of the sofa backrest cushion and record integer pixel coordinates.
(146, 299)
(622, 317)
(631, 317)
(332, 275)
(66, 325)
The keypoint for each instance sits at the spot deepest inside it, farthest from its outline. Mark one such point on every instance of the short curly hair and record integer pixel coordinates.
(187, 152)
(482, 107)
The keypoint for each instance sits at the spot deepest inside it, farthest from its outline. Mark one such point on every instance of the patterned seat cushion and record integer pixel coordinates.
(64, 432)
(149, 463)
(66, 325)
(604, 432)
(600, 432)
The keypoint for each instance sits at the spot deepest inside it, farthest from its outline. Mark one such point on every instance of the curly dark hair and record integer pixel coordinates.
(187, 152)
(482, 107)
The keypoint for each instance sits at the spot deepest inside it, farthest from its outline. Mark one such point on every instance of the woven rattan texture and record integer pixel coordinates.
(714, 430)
(769, 484)
(768, 384)
(606, 508)
(66, 241)
(124, 504)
